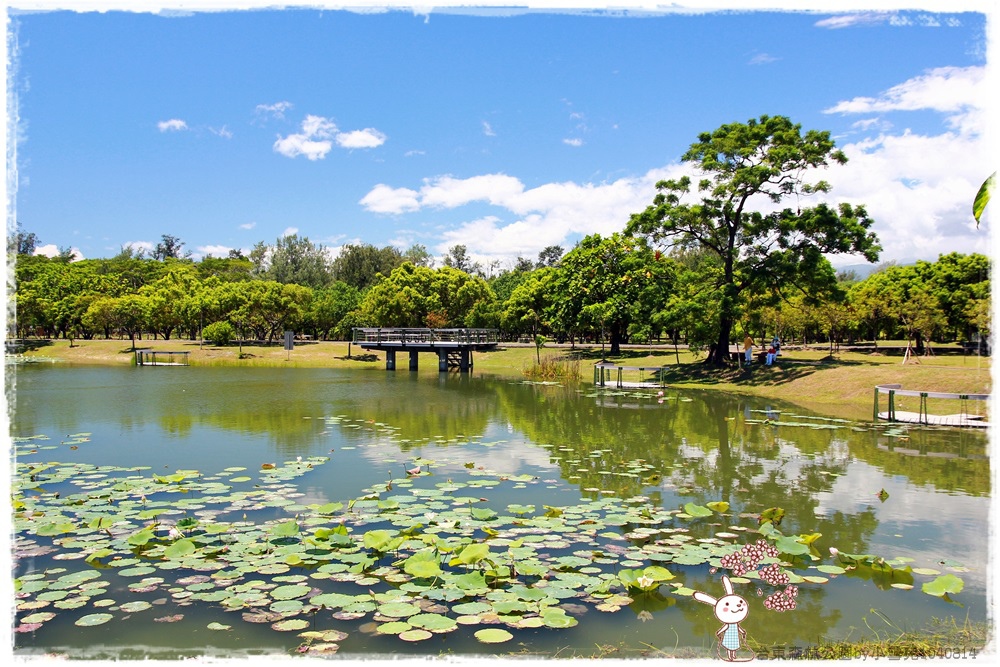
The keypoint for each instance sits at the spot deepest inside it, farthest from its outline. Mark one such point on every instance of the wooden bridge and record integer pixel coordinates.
(961, 418)
(453, 347)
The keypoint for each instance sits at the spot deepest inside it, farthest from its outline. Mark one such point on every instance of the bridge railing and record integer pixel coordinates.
(414, 335)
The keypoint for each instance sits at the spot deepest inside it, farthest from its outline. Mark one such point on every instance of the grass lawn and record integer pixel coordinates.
(841, 385)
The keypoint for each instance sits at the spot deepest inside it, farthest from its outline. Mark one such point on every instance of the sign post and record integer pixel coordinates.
(289, 344)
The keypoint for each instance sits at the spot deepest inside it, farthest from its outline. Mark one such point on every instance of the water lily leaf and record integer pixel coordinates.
(290, 592)
(720, 506)
(93, 619)
(423, 565)
(694, 510)
(791, 546)
(377, 539)
(946, 583)
(483, 514)
(926, 571)
(473, 553)
(218, 626)
(398, 609)
(810, 538)
(831, 569)
(432, 622)
(493, 636)
(415, 635)
(180, 548)
(285, 529)
(290, 625)
(393, 628)
(772, 514)
(136, 606)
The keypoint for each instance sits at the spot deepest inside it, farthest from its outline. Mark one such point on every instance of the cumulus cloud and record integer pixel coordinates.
(946, 89)
(317, 135)
(918, 187)
(573, 142)
(314, 141)
(290, 231)
(248, 225)
(537, 217)
(51, 250)
(366, 138)
(172, 125)
(385, 199)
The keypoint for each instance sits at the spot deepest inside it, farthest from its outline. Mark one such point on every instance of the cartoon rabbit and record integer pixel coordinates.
(732, 610)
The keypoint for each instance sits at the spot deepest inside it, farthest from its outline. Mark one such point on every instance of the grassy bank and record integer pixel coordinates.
(841, 385)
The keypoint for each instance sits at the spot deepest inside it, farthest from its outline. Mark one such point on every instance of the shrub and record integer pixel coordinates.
(219, 333)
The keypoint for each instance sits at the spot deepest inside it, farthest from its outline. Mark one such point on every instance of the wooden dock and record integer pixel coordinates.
(962, 418)
(148, 357)
(453, 347)
(607, 373)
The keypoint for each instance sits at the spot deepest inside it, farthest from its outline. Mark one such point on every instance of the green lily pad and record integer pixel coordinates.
(943, 585)
(93, 619)
(415, 635)
(493, 636)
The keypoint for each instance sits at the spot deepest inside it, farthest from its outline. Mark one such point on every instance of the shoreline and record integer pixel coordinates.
(841, 385)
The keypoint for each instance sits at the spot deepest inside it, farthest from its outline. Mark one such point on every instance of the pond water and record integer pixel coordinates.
(177, 512)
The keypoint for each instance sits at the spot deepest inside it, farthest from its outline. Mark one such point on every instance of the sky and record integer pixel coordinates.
(504, 130)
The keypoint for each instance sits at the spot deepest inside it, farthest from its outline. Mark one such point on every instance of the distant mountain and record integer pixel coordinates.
(862, 271)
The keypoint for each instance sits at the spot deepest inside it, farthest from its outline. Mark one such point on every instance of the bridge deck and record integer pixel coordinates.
(454, 347)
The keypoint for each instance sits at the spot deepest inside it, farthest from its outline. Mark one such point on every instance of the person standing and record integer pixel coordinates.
(748, 348)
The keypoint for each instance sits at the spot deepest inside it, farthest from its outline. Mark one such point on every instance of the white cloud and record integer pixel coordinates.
(248, 225)
(313, 141)
(172, 125)
(385, 199)
(223, 132)
(289, 231)
(763, 59)
(851, 20)
(144, 246)
(276, 110)
(946, 89)
(488, 130)
(213, 250)
(573, 142)
(366, 138)
(52, 250)
(317, 135)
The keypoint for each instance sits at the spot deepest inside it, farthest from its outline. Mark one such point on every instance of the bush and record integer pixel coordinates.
(219, 333)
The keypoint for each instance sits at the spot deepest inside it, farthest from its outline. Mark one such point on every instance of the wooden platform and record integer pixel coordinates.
(964, 417)
(148, 357)
(453, 347)
(973, 421)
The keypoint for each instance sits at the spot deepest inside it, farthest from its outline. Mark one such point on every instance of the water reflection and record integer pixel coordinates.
(575, 442)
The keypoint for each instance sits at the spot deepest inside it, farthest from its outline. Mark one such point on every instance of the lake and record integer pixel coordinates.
(181, 512)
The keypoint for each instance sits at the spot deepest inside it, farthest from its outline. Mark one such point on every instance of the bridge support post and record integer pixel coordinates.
(463, 364)
(442, 360)
(413, 359)
(390, 360)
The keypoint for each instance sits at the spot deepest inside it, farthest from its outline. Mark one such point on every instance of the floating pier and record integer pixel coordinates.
(147, 357)
(453, 347)
(961, 418)
(607, 373)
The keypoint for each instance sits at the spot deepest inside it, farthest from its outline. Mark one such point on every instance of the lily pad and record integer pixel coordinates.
(493, 636)
(93, 619)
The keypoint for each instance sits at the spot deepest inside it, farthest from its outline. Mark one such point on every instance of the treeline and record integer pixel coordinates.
(616, 289)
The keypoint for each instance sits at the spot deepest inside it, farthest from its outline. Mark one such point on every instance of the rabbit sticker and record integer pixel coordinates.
(732, 610)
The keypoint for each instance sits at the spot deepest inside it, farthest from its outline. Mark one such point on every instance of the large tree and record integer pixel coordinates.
(747, 170)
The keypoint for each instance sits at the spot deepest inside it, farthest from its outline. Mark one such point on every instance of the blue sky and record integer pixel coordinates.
(506, 131)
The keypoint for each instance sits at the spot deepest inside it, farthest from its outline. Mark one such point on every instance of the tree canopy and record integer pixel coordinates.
(748, 169)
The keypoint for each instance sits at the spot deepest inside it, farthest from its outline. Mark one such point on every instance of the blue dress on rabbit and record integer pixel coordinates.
(731, 638)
